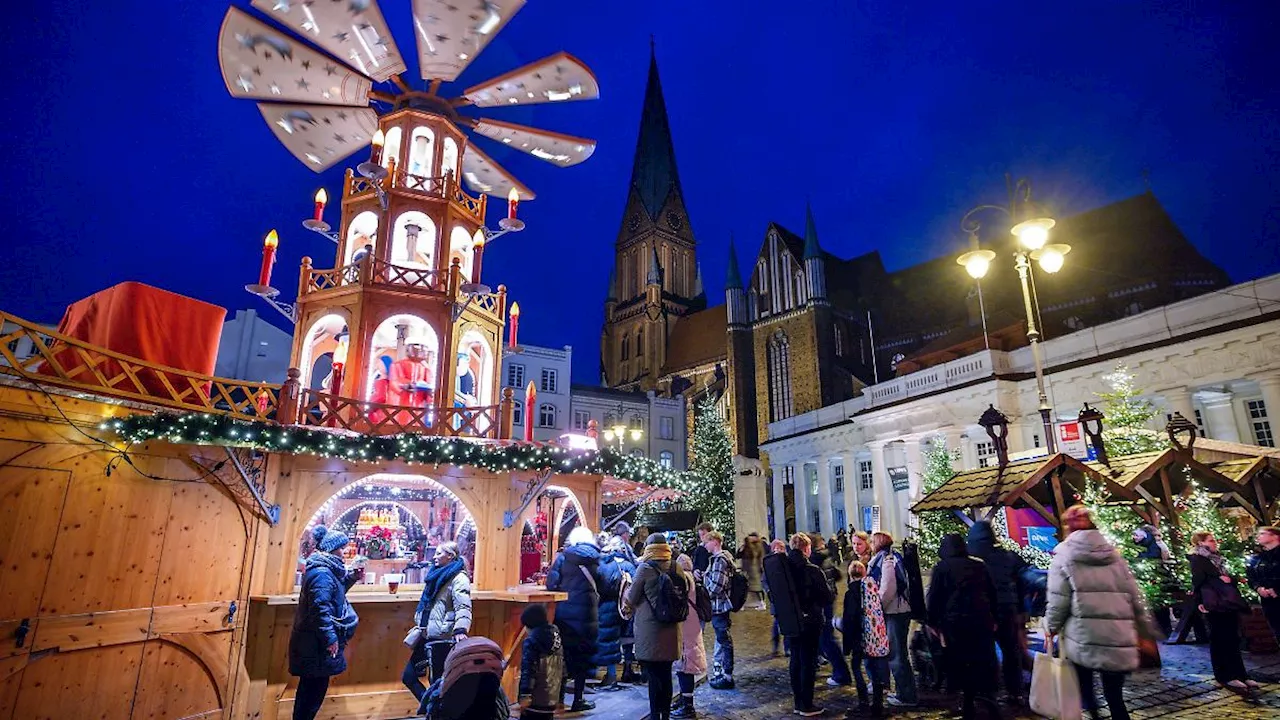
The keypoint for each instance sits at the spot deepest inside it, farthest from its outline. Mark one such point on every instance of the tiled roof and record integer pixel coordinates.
(1125, 469)
(979, 488)
(697, 339)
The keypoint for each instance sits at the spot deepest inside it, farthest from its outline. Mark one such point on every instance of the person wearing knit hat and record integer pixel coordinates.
(658, 644)
(323, 622)
(576, 571)
(541, 665)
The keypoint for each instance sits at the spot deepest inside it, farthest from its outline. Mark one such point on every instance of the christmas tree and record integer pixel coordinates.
(1128, 416)
(1199, 511)
(932, 525)
(712, 464)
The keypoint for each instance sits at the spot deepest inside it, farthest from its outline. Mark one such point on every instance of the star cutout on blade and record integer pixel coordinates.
(306, 64)
(303, 84)
(442, 38)
(451, 8)
(281, 6)
(310, 144)
(244, 83)
(275, 89)
(266, 54)
(257, 71)
(338, 138)
(331, 70)
(537, 76)
(342, 115)
(327, 121)
(341, 36)
(432, 19)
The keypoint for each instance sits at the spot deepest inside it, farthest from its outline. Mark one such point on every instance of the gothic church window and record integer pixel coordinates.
(640, 342)
(781, 404)
(626, 347)
(799, 279)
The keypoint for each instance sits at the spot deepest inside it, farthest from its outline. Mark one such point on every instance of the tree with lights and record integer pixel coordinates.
(712, 466)
(932, 525)
(1128, 416)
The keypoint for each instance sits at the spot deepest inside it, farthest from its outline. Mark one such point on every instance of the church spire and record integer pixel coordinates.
(811, 248)
(653, 173)
(655, 269)
(734, 280)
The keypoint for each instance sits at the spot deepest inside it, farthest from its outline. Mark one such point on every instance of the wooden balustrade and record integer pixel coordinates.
(46, 357)
(387, 273)
(318, 409)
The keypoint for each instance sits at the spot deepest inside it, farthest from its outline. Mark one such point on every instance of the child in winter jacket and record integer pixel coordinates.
(693, 653)
(866, 636)
(541, 665)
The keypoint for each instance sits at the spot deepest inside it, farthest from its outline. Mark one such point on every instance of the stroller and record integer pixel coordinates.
(471, 686)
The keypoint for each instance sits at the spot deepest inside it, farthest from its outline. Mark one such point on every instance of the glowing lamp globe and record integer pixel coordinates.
(976, 262)
(1051, 257)
(608, 435)
(635, 434)
(1034, 233)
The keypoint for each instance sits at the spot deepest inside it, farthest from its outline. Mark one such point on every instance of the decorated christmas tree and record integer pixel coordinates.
(1199, 511)
(932, 525)
(1128, 416)
(712, 465)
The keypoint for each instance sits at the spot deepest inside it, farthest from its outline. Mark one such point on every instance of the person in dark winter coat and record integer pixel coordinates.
(1264, 575)
(827, 644)
(615, 566)
(866, 637)
(799, 594)
(1214, 590)
(576, 571)
(1157, 554)
(1011, 625)
(701, 558)
(962, 602)
(323, 622)
(658, 644)
(541, 664)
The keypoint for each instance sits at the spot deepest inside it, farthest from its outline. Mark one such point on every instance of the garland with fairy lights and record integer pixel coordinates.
(207, 429)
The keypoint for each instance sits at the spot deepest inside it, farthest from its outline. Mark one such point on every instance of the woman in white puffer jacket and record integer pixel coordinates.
(1097, 609)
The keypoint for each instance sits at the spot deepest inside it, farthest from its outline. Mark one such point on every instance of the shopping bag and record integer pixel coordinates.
(1055, 690)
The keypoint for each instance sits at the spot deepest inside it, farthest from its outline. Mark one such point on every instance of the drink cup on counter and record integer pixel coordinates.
(393, 582)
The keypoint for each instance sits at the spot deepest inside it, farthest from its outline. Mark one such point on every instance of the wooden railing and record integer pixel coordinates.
(390, 274)
(46, 357)
(488, 302)
(445, 187)
(318, 409)
(320, 280)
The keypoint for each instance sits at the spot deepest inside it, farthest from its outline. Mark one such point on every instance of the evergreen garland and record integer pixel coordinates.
(208, 429)
(933, 525)
(712, 465)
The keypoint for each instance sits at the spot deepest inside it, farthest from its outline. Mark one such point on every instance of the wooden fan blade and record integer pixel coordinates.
(451, 33)
(555, 148)
(320, 135)
(483, 175)
(558, 78)
(352, 30)
(263, 63)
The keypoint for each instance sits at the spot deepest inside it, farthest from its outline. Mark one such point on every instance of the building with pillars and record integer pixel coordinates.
(1214, 358)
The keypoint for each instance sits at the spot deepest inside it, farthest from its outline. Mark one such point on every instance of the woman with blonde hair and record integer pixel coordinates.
(861, 544)
(890, 572)
(1218, 597)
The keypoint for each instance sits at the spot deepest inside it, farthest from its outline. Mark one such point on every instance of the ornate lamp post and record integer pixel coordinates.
(1031, 228)
(618, 431)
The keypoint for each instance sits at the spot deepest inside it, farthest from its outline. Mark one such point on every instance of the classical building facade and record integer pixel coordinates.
(660, 421)
(550, 370)
(1214, 358)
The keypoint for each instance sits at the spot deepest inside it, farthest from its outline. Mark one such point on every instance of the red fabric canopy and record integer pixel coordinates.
(153, 325)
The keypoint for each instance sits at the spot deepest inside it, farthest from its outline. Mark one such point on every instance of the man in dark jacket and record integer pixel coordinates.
(323, 622)
(827, 644)
(798, 592)
(1006, 572)
(576, 571)
(701, 557)
(962, 602)
(1264, 575)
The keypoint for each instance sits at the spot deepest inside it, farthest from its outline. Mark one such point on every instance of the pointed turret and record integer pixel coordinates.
(655, 269)
(734, 279)
(653, 173)
(814, 268)
(734, 296)
(698, 290)
(613, 285)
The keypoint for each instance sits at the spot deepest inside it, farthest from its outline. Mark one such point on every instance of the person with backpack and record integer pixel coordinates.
(471, 686)
(693, 651)
(798, 591)
(659, 603)
(576, 571)
(866, 638)
(541, 664)
(827, 645)
(616, 572)
(323, 622)
(890, 572)
(718, 579)
(443, 617)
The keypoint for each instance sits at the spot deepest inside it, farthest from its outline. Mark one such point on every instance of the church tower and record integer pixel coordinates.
(655, 276)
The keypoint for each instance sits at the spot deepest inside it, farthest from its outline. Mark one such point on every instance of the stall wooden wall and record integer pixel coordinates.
(125, 582)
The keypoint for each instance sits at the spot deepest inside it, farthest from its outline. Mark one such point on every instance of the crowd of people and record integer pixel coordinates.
(638, 607)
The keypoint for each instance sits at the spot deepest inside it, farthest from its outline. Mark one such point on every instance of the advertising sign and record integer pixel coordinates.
(1071, 440)
(900, 478)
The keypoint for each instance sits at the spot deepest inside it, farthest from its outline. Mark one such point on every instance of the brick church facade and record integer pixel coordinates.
(806, 329)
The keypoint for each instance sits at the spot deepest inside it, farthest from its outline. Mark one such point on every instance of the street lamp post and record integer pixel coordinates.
(1031, 229)
(618, 431)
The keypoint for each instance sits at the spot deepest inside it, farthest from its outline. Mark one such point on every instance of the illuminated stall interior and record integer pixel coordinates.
(395, 522)
(390, 345)
(320, 343)
(362, 231)
(475, 368)
(413, 240)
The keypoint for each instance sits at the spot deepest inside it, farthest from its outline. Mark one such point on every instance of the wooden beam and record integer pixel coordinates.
(1056, 481)
(1044, 512)
(1248, 506)
(1167, 491)
(1154, 503)
(435, 86)
(1257, 491)
(399, 82)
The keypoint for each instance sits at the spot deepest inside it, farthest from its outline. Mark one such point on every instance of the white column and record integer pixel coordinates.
(1219, 416)
(880, 483)
(903, 500)
(852, 483)
(969, 449)
(779, 504)
(801, 497)
(1270, 385)
(826, 507)
(1179, 400)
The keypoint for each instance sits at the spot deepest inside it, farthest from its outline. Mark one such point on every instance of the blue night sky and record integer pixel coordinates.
(129, 161)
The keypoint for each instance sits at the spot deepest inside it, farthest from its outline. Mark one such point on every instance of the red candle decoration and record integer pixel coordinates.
(322, 197)
(530, 403)
(513, 202)
(515, 324)
(375, 155)
(268, 258)
(261, 400)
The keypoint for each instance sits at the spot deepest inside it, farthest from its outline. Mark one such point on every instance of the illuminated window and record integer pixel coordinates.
(666, 459)
(837, 477)
(781, 405)
(515, 375)
(546, 415)
(865, 476)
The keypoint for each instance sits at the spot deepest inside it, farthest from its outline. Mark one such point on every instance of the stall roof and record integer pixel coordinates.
(1148, 475)
(617, 491)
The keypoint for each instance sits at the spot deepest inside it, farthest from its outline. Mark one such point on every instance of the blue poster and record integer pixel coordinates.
(1042, 538)
(866, 519)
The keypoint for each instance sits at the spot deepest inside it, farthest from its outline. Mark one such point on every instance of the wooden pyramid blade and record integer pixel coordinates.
(320, 135)
(262, 63)
(451, 33)
(483, 175)
(555, 148)
(353, 31)
(558, 78)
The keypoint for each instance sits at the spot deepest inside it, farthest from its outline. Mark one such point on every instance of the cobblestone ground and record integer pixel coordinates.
(1182, 688)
